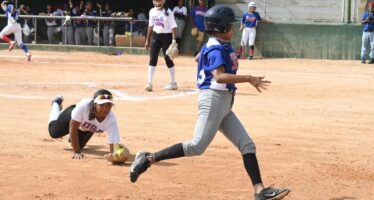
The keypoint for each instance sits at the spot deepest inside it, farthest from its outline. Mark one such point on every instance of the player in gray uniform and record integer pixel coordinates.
(217, 68)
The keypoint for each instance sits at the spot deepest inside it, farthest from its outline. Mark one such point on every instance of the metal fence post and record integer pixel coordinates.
(265, 9)
(36, 29)
(130, 37)
(98, 32)
(348, 11)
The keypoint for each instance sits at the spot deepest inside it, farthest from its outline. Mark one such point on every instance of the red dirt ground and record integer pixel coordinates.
(313, 129)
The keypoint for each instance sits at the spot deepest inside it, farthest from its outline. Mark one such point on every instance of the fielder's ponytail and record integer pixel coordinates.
(166, 7)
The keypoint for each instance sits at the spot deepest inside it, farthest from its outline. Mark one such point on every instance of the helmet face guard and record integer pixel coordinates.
(158, 4)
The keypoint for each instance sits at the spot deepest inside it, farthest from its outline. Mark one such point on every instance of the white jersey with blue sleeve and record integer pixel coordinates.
(12, 14)
(212, 56)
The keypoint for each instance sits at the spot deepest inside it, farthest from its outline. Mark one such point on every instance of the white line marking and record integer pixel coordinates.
(121, 96)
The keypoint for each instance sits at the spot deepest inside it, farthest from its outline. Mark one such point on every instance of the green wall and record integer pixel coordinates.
(315, 41)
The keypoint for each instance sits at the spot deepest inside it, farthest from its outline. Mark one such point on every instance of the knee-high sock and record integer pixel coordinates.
(5, 39)
(172, 74)
(151, 73)
(175, 151)
(252, 168)
(251, 50)
(24, 48)
(55, 112)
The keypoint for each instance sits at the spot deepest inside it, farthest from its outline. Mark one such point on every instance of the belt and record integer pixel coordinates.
(369, 31)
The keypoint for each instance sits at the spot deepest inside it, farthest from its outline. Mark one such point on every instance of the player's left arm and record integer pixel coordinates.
(222, 77)
(258, 17)
(3, 6)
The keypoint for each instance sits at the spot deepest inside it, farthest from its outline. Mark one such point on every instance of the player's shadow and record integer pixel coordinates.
(91, 150)
(343, 198)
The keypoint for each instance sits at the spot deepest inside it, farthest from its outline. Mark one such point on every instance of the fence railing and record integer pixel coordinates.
(121, 25)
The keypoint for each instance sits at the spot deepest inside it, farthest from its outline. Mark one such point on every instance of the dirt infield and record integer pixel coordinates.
(314, 129)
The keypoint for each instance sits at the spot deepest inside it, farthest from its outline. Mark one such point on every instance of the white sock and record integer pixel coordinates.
(151, 73)
(172, 74)
(55, 112)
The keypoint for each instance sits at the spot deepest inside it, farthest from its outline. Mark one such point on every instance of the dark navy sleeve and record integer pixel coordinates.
(258, 16)
(215, 60)
(243, 18)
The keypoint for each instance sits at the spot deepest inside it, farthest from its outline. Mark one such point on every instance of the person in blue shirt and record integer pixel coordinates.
(248, 28)
(216, 78)
(367, 20)
(197, 21)
(14, 27)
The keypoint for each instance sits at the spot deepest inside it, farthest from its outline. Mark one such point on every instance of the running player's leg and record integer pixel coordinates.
(153, 58)
(213, 106)
(166, 40)
(233, 129)
(59, 123)
(18, 38)
(4, 36)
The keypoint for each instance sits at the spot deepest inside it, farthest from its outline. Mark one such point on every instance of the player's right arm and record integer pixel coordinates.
(74, 125)
(149, 36)
(258, 82)
(242, 23)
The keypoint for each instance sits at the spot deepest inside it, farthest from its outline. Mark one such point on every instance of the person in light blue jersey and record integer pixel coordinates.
(217, 67)
(367, 20)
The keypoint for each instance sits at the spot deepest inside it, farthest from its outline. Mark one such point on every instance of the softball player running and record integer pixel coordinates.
(81, 121)
(14, 27)
(248, 29)
(162, 30)
(217, 67)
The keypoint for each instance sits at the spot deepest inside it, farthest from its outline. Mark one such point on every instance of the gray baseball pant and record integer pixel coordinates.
(90, 35)
(80, 36)
(215, 114)
(68, 35)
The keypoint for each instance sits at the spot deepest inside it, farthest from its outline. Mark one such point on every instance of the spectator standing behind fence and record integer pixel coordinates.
(180, 14)
(79, 25)
(142, 25)
(67, 25)
(51, 26)
(108, 25)
(91, 25)
(367, 20)
(198, 27)
(27, 24)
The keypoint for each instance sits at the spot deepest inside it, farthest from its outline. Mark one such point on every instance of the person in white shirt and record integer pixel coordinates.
(84, 119)
(180, 14)
(162, 30)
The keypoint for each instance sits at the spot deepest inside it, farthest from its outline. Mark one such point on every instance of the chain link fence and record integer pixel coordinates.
(305, 11)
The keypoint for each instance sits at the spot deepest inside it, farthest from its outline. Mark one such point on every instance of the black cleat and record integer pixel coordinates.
(250, 57)
(59, 99)
(272, 194)
(363, 61)
(371, 61)
(140, 165)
